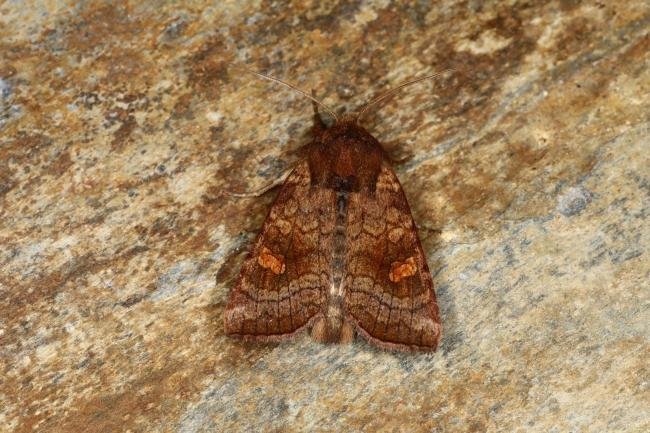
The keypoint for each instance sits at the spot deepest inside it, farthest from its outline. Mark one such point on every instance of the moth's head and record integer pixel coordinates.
(343, 131)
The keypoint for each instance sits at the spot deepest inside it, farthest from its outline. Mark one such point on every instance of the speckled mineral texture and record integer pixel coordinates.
(123, 125)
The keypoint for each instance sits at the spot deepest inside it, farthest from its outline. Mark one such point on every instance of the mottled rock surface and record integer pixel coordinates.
(527, 169)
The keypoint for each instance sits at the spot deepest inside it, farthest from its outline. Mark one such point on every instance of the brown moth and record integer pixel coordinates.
(338, 252)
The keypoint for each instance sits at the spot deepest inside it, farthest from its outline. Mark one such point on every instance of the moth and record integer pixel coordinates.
(339, 251)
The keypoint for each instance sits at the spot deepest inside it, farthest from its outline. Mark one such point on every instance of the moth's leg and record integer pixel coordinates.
(399, 159)
(396, 153)
(264, 189)
(319, 125)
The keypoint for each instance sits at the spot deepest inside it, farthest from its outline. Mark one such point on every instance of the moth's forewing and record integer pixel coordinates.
(283, 282)
(388, 288)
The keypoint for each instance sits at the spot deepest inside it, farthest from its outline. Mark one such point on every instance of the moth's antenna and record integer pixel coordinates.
(292, 87)
(395, 90)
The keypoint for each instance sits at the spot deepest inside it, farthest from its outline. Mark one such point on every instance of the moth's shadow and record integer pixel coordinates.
(431, 244)
(408, 361)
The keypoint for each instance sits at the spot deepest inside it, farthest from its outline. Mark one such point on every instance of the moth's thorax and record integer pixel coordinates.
(345, 157)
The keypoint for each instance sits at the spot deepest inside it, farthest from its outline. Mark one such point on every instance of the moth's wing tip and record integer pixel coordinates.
(437, 335)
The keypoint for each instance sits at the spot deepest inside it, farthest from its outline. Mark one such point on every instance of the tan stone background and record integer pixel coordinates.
(121, 125)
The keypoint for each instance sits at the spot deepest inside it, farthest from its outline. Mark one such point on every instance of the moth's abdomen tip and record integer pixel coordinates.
(347, 333)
